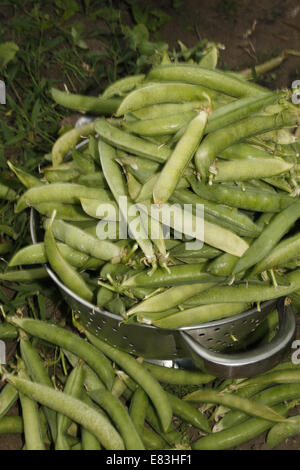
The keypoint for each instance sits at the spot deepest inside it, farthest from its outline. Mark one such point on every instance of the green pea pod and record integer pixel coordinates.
(68, 141)
(213, 79)
(280, 432)
(120, 416)
(155, 93)
(141, 376)
(130, 143)
(73, 408)
(63, 269)
(82, 103)
(270, 236)
(123, 85)
(179, 159)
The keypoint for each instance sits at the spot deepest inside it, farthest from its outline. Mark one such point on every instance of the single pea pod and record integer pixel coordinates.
(212, 79)
(249, 292)
(164, 110)
(170, 298)
(201, 314)
(177, 275)
(63, 269)
(24, 275)
(252, 408)
(155, 93)
(25, 178)
(68, 193)
(253, 199)
(239, 170)
(131, 143)
(68, 141)
(123, 85)
(181, 156)
(85, 104)
(239, 434)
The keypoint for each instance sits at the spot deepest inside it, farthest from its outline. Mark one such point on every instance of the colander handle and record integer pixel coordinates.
(252, 362)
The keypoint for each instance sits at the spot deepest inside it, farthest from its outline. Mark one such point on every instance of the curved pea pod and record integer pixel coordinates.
(120, 416)
(36, 254)
(270, 236)
(119, 87)
(69, 341)
(213, 79)
(188, 413)
(253, 199)
(205, 252)
(92, 180)
(85, 104)
(61, 175)
(248, 169)
(67, 142)
(82, 241)
(233, 133)
(245, 151)
(238, 109)
(63, 269)
(131, 143)
(281, 254)
(282, 431)
(155, 93)
(141, 376)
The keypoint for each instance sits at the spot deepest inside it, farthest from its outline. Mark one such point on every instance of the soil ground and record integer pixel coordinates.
(252, 31)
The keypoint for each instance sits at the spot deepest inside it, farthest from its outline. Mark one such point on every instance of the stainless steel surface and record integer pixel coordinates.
(197, 346)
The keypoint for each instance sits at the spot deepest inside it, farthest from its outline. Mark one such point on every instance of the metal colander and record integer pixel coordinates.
(200, 346)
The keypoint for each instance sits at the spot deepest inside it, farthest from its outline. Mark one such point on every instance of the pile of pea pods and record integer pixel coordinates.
(182, 135)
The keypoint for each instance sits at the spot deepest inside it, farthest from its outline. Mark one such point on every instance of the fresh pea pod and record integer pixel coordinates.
(255, 409)
(141, 376)
(160, 126)
(247, 169)
(73, 408)
(63, 269)
(67, 142)
(179, 159)
(69, 341)
(130, 143)
(270, 236)
(252, 199)
(213, 79)
(82, 103)
(155, 93)
(279, 433)
(120, 416)
(123, 85)
(219, 140)
(36, 254)
(177, 275)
